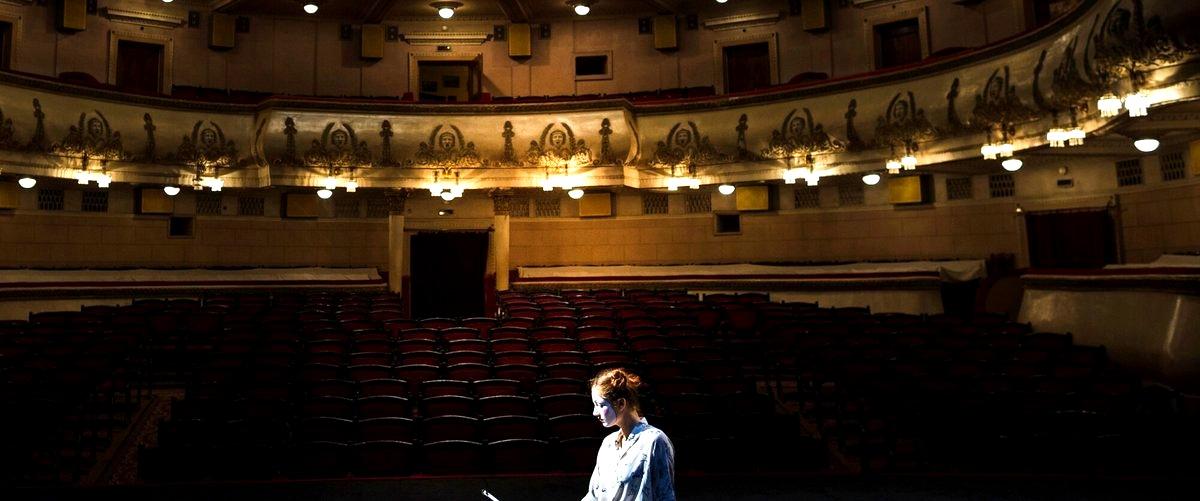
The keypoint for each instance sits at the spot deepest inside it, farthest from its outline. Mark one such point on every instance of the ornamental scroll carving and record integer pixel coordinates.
(447, 149)
(92, 138)
(338, 147)
(999, 105)
(683, 146)
(206, 147)
(557, 146)
(1128, 44)
(799, 136)
(8, 135)
(904, 125)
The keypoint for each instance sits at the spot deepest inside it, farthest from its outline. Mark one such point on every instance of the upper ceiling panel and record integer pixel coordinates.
(517, 10)
(329, 9)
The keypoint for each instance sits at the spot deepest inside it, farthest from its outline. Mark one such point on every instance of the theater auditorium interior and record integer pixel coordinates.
(378, 249)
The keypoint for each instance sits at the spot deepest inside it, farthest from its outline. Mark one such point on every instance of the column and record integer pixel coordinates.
(396, 200)
(501, 200)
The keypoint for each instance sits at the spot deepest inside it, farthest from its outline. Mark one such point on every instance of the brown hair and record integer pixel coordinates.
(618, 383)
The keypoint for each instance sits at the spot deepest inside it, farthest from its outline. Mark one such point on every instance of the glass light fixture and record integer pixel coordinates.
(575, 193)
(83, 177)
(894, 166)
(1109, 105)
(726, 189)
(582, 9)
(722, 1)
(447, 195)
(214, 183)
(909, 162)
(1057, 137)
(1146, 145)
(324, 194)
(311, 7)
(171, 190)
(871, 179)
(351, 186)
(1075, 136)
(27, 182)
(168, 1)
(1138, 104)
(445, 10)
(103, 180)
(1012, 164)
(988, 151)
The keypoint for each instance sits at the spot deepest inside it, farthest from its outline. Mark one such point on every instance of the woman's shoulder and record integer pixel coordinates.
(655, 434)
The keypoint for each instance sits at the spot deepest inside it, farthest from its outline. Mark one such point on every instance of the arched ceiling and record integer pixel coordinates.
(374, 11)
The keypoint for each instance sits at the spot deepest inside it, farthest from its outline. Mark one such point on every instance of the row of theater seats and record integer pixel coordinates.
(66, 381)
(341, 388)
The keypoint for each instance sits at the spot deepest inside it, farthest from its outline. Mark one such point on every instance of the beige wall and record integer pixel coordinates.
(298, 55)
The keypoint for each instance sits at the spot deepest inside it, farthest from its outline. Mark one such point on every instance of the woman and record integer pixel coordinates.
(636, 462)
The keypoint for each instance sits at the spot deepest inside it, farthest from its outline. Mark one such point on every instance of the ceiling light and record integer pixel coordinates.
(330, 183)
(1057, 138)
(575, 193)
(1012, 164)
(351, 186)
(324, 194)
(103, 180)
(311, 7)
(171, 190)
(582, 9)
(1146, 145)
(909, 162)
(1109, 105)
(722, 1)
(168, 1)
(893, 166)
(27, 182)
(871, 179)
(726, 189)
(447, 195)
(445, 10)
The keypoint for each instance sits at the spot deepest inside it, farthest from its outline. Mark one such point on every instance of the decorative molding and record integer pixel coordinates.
(557, 146)
(772, 40)
(685, 147)
(338, 148)
(168, 56)
(415, 59)
(741, 21)
(144, 18)
(799, 136)
(447, 148)
(446, 37)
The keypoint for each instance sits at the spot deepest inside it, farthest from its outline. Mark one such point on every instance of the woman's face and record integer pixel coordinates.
(603, 410)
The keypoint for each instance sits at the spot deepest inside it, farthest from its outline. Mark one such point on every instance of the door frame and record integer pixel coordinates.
(166, 78)
(414, 66)
(719, 45)
(489, 289)
(873, 19)
(1113, 208)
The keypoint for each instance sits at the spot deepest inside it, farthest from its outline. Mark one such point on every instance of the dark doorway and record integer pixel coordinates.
(897, 43)
(1071, 239)
(139, 66)
(6, 44)
(449, 81)
(448, 274)
(747, 67)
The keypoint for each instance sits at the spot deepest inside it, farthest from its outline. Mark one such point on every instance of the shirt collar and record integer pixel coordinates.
(634, 433)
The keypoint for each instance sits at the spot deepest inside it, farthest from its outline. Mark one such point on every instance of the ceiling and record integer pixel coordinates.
(374, 11)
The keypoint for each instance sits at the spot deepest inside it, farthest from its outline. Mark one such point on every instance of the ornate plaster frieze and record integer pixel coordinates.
(92, 138)
(143, 18)
(558, 146)
(446, 37)
(685, 146)
(338, 148)
(741, 21)
(799, 136)
(447, 148)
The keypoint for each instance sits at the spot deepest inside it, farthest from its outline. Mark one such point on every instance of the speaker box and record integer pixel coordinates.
(302, 205)
(753, 198)
(814, 15)
(71, 15)
(372, 41)
(9, 195)
(665, 36)
(153, 201)
(221, 31)
(910, 189)
(596, 205)
(519, 44)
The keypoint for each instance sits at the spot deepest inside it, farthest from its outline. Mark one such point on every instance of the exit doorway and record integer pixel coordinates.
(139, 66)
(747, 66)
(456, 81)
(1085, 238)
(448, 273)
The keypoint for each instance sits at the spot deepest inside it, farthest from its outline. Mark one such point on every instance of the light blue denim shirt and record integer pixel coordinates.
(641, 469)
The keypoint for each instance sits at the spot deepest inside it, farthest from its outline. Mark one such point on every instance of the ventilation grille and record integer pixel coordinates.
(94, 201)
(1173, 166)
(208, 204)
(377, 207)
(850, 194)
(549, 206)
(250, 206)
(346, 207)
(50, 199)
(696, 203)
(1129, 172)
(959, 188)
(654, 203)
(1001, 186)
(518, 207)
(808, 197)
